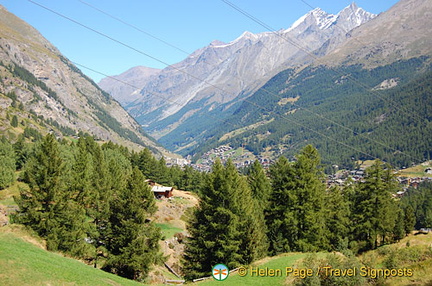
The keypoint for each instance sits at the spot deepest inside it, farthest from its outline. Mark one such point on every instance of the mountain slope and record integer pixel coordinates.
(45, 91)
(368, 98)
(401, 32)
(126, 86)
(213, 80)
(384, 113)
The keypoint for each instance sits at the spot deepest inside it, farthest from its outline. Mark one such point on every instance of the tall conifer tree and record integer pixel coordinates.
(374, 209)
(227, 227)
(7, 163)
(48, 207)
(133, 243)
(214, 229)
(337, 218)
(296, 212)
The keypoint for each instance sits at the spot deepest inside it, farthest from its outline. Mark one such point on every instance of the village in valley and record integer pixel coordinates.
(242, 158)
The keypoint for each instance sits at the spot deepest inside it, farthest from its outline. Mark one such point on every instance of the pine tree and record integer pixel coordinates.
(99, 198)
(337, 218)
(43, 174)
(14, 122)
(21, 152)
(375, 209)
(133, 243)
(409, 219)
(48, 207)
(147, 164)
(190, 179)
(82, 170)
(281, 223)
(296, 212)
(214, 228)
(228, 226)
(259, 184)
(7, 164)
(254, 244)
(399, 227)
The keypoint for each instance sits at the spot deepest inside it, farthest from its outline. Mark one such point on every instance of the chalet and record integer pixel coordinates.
(160, 191)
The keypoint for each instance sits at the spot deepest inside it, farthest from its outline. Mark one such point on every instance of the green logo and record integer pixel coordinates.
(220, 272)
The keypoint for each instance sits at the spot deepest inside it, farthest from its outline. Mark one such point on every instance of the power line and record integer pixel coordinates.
(250, 102)
(126, 45)
(309, 53)
(135, 27)
(248, 15)
(145, 54)
(317, 59)
(262, 23)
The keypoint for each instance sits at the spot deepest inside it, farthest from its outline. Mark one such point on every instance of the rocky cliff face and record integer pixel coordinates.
(51, 87)
(223, 74)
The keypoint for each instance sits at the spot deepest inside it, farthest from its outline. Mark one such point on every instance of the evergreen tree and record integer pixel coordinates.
(47, 206)
(296, 213)
(337, 218)
(21, 152)
(374, 207)
(214, 228)
(420, 200)
(228, 225)
(409, 219)
(82, 170)
(14, 121)
(253, 237)
(190, 179)
(7, 164)
(99, 199)
(43, 174)
(259, 184)
(280, 220)
(133, 242)
(147, 164)
(399, 226)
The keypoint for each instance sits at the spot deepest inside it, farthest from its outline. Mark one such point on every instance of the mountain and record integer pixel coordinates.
(126, 86)
(369, 98)
(188, 99)
(401, 32)
(42, 91)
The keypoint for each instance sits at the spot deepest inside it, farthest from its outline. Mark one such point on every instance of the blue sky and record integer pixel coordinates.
(187, 24)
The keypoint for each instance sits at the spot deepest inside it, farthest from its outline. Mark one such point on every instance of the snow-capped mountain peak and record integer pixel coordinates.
(323, 20)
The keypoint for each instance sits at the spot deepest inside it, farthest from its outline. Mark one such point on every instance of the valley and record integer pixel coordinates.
(298, 156)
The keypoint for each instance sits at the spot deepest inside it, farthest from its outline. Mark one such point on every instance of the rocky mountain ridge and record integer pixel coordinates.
(217, 77)
(401, 32)
(45, 84)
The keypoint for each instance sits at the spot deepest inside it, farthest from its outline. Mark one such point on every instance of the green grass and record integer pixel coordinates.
(168, 230)
(22, 263)
(416, 171)
(6, 195)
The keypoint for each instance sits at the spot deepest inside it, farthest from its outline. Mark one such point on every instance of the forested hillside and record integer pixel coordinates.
(92, 203)
(348, 113)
